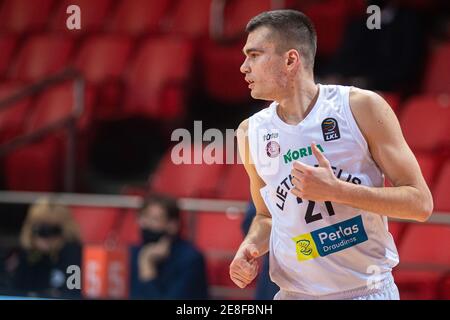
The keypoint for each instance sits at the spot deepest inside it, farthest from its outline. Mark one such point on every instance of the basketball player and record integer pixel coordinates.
(316, 158)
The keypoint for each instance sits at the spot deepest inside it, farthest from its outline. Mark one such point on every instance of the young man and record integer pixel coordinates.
(165, 266)
(316, 158)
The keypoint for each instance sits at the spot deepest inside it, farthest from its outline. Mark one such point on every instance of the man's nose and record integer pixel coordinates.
(244, 67)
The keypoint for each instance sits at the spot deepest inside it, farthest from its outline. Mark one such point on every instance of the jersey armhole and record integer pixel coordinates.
(356, 131)
(353, 125)
(251, 141)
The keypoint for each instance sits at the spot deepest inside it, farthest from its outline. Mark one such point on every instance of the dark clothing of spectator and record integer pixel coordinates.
(388, 59)
(44, 275)
(182, 275)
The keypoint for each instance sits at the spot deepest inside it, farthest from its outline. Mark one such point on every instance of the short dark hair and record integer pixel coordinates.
(166, 202)
(294, 28)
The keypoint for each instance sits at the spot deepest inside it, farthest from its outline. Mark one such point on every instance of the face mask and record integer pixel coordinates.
(151, 236)
(47, 230)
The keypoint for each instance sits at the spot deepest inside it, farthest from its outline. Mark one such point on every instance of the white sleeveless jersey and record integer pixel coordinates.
(320, 248)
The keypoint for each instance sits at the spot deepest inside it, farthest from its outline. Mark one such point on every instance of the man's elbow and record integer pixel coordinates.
(425, 207)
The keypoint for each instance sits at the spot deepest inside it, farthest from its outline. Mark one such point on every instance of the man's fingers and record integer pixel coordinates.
(248, 267)
(297, 177)
(323, 162)
(238, 282)
(300, 166)
(245, 268)
(296, 192)
(242, 277)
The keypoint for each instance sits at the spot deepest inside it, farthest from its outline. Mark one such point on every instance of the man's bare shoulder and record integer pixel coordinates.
(243, 126)
(372, 113)
(366, 103)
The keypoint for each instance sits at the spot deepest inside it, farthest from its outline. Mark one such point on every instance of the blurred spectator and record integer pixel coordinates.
(265, 288)
(165, 266)
(387, 59)
(50, 243)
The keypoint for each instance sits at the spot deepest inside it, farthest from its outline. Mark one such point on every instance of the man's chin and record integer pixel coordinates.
(259, 96)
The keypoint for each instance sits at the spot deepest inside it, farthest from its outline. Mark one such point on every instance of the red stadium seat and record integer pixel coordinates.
(441, 189)
(38, 166)
(218, 235)
(397, 229)
(238, 13)
(41, 56)
(191, 18)
(158, 79)
(102, 60)
(186, 180)
(235, 185)
(218, 231)
(423, 261)
(437, 77)
(56, 104)
(218, 271)
(21, 16)
(96, 223)
(7, 46)
(429, 164)
(12, 119)
(425, 121)
(103, 57)
(137, 17)
(93, 16)
(128, 232)
(222, 78)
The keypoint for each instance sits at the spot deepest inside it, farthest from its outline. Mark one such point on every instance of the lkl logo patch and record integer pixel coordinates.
(330, 129)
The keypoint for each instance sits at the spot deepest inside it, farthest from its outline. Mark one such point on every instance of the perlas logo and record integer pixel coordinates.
(300, 153)
(331, 239)
(304, 247)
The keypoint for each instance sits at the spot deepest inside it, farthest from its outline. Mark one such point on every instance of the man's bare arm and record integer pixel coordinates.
(259, 231)
(244, 267)
(409, 198)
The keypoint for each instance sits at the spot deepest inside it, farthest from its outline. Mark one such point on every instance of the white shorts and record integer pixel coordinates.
(384, 290)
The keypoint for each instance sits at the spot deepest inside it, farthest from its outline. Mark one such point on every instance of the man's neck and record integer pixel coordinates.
(294, 108)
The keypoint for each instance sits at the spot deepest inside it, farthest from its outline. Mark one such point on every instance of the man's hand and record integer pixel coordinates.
(157, 251)
(149, 255)
(244, 267)
(314, 183)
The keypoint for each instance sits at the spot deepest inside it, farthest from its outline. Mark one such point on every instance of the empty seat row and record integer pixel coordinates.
(111, 63)
(180, 17)
(127, 16)
(38, 166)
(152, 83)
(110, 60)
(424, 262)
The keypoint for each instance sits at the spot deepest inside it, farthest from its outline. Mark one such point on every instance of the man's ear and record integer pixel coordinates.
(292, 59)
